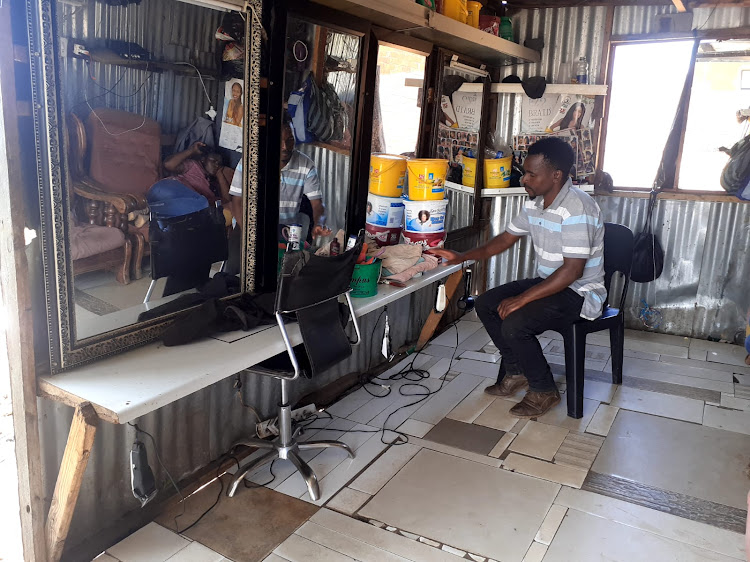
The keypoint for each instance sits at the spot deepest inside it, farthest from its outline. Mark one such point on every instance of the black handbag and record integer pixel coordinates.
(648, 255)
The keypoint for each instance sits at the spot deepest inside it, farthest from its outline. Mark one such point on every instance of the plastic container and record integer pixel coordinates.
(456, 10)
(506, 28)
(425, 216)
(497, 172)
(490, 24)
(383, 236)
(365, 280)
(582, 71)
(427, 179)
(469, 176)
(386, 212)
(426, 239)
(473, 13)
(387, 175)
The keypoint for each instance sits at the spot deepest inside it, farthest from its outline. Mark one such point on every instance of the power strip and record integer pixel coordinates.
(270, 427)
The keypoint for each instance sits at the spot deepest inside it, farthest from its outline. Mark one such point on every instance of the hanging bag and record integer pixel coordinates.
(648, 255)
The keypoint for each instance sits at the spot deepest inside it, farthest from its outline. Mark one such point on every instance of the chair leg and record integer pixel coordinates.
(325, 444)
(617, 345)
(575, 358)
(246, 468)
(307, 474)
(150, 291)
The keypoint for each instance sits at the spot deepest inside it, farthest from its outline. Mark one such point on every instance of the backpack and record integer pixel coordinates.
(735, 177)
(298, 107)
(648, 255)
(316, 112)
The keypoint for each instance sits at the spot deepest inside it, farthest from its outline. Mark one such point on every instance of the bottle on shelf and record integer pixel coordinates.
(506, 28)
(582, 71)
(335, 247)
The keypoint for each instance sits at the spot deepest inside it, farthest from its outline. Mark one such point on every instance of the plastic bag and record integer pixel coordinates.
(735, 178)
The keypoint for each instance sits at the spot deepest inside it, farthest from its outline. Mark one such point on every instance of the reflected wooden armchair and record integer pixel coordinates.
(114, 158)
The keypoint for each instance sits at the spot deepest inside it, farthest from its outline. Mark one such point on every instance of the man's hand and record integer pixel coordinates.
(320, 231)
(452, 257)
(197, 148)
(510, 305)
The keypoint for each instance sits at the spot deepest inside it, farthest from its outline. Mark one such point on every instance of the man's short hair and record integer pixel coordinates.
(556, 152)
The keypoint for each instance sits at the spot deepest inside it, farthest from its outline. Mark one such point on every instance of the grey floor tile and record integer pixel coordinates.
(731, 420)
(698, 461)
(438, 406)
(666, 405)
(467, 436)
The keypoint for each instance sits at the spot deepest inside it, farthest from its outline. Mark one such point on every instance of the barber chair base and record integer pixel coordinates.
(289, 452)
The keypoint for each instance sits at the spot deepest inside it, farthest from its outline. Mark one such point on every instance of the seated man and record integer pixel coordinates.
(299, 180)
(566, 228)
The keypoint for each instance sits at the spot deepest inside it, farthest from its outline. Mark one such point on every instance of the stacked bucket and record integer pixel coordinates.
(421, 212)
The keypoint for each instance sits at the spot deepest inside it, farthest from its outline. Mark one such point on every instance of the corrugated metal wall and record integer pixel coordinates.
(333, 171)
(169, 30)
(460, 210)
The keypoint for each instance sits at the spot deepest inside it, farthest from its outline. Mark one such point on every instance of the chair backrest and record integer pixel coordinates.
(124, 151)
(618, 257)
(76, 146)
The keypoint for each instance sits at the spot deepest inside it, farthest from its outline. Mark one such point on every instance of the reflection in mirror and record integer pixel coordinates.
(320, 91)
(149, 158)
(458, 141)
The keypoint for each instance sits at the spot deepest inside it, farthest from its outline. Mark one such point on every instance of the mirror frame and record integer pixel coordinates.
(53, 183)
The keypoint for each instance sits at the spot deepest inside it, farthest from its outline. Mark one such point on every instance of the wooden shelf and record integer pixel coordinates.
(410, 18)
(579, 89)
(105, 56)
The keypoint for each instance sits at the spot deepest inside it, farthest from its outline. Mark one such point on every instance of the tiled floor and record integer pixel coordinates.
(656, 470)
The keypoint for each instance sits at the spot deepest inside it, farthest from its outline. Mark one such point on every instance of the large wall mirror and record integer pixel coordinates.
(146, 111)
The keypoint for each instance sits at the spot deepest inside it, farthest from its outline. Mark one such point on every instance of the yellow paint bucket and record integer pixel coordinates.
(456, 10)
(427, 179)
(473, 9)
(470, 171)
(497, 172)
(387, 175)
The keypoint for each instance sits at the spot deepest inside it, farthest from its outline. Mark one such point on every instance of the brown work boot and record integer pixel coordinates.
(508, 386)
(535, 404)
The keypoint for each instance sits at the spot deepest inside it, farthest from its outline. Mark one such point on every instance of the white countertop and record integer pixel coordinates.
(126, 386)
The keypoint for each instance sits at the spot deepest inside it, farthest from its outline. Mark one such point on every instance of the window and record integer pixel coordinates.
(647, 80)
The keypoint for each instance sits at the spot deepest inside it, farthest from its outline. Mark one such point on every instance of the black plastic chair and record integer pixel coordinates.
(618, 258)
(309, 288)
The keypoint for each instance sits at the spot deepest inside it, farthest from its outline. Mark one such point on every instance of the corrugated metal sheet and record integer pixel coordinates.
(333, 171)
(701, 292)
(631, 20)
(460, 210)
(199, 428)
(169, 30)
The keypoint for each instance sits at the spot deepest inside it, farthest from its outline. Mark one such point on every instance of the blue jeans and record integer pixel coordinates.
(171, 198)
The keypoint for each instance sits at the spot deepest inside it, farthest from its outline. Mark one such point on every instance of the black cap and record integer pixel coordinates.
(512, 79)
(535, 86)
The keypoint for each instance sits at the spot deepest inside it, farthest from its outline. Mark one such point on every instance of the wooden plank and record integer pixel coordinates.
(680, 5)
(14, 281)
(431, 324)
(69, 479)
(48, 390)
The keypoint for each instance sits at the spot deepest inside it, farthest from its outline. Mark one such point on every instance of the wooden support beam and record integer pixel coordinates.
(74, 461)
(451, 284)
(680, 5)
(16, 296)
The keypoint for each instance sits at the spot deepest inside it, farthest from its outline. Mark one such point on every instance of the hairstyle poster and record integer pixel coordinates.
(553, 113)
(581, 141)
(232, 115)
(452, 144)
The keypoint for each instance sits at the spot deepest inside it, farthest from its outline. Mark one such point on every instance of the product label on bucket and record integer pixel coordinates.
(385, 211)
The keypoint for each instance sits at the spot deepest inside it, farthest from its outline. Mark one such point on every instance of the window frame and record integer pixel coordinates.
(741, 33)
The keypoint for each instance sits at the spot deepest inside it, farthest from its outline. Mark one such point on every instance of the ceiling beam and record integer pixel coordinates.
(680, 5)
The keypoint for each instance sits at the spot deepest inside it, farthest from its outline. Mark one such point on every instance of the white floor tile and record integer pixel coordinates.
(731, 420)
(603, 419)
(416, 498)
(196, 552)
(439, 405)
(595, 352)
(658, 348)
(677, 374)
(416, 428)
(475, 341)
(342, 544)
(585, 537)
(270, 558)
(559, 414)
(641, 355)
(539, 440)
(479, 368)
(448, 337)
(481, 356)
(599, 391)
(104, 557)
(566, 475)
(535, 553)
(300, 549)
(440, 351)
(440, 368)
(350, 403)
(665, 405)
(551, 523)
(348, 501)
(455, 452)
(404, 406)
(472, 406)
(698, 354)
(731, 401)
(593, 364)
(657, 522)
(152, 543)
(733, 355)
(653, 337)
(497, 415)
(380, 538)
(384, 468)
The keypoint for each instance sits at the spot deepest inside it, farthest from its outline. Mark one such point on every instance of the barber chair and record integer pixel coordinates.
(309, 288)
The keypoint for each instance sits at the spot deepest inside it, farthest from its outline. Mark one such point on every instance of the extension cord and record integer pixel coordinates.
(270, 427)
